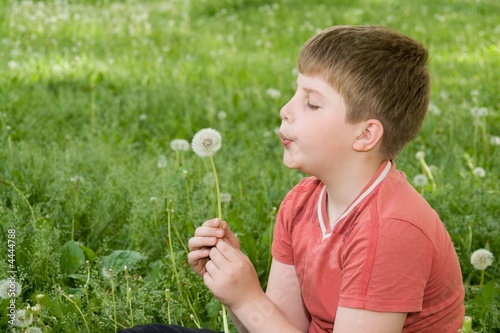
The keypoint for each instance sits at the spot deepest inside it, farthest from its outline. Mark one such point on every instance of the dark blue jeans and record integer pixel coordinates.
(160, 328)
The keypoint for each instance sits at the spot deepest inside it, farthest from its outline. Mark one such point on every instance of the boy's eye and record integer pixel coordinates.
(311, 106)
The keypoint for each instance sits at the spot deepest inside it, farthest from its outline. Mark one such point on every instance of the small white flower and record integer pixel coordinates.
(495, 140)
(481, 259)
(143, 116)
(225, 197)
(479, 172)
(22, 320)
(420, 180)
(180, 145)
(162, 162)
(273, 93)
(206, 142)
(420, 155)
(9, 288)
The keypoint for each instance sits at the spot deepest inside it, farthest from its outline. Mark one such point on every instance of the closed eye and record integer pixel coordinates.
(312, 107)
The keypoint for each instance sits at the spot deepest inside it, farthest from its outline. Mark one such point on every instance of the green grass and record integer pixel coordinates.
(93, 92)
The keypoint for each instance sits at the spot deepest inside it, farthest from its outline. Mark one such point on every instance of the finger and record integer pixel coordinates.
(225, 249)
(195, 256)
(213, 223)
(197, 243)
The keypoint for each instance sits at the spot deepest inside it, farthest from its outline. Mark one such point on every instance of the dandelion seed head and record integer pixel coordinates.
(180, 145)
(36, 308)
(143, 116)
(33, 329)
(420, 180)
(225, 197)
(495, 140)
(479, 172)
(481, 259)
(273, 93)
(433, 109)
(23, 318)
(222, 115)
(420, 155)
(209, 179)
(478, 112)
(9, 288)
(206, 142)
(162, 162)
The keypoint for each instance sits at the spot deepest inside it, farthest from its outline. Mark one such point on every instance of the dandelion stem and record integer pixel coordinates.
(79, 310)
(482, 278)
(219, 212)
(21, 194)
(217, 189)
(114, 300)
(170, 210)
(428, 172)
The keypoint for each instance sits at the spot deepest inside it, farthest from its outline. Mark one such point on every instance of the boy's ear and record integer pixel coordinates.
(371, 135)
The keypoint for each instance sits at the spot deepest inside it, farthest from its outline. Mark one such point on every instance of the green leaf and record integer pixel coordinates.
(118, 259)
(72, 257)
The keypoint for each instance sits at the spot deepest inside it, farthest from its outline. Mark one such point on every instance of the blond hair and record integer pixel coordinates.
(380, 73)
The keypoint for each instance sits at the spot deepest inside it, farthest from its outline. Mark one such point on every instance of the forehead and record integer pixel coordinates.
(316, 85)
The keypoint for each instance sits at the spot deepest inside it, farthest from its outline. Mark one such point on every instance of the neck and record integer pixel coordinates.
(345, 185)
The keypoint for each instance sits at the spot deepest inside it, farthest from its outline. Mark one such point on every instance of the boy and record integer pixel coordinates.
(355, 248)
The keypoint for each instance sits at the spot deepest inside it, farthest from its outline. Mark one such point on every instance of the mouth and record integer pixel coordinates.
(285, 141)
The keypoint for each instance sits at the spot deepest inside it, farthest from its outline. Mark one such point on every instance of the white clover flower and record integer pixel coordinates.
(33, 329)
(180, 145)
(225, 197)
(420, 180)
(206, 142)
(162, 162)
(23, 319)
(419, 155)
(479, 172)
(9, 288)
(495, 140)
(481, 259)
(273, 93)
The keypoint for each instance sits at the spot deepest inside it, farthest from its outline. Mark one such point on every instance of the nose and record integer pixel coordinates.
(285, 112)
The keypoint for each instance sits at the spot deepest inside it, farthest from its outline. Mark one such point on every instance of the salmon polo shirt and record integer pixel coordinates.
(388, 252)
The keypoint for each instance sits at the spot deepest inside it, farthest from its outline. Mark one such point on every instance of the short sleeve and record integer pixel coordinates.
(282, 242)
(385, 267)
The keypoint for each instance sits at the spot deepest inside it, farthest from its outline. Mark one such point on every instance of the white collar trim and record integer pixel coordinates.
(328, 231)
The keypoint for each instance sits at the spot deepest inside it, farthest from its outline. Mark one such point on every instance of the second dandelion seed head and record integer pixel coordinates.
(206, 142)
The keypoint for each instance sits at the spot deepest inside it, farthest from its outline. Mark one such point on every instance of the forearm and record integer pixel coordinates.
(261, 316)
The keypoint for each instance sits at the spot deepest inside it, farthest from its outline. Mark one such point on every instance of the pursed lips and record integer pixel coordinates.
(285, 141)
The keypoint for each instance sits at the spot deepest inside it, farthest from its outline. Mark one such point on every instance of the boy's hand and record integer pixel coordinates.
(230, 276)
(205, 237)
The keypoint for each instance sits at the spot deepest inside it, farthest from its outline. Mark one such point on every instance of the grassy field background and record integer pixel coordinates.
(93, 92)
